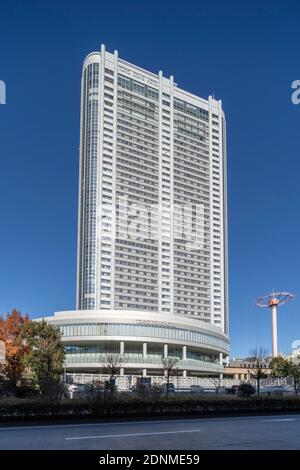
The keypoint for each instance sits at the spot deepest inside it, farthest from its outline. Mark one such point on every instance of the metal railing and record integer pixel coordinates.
(125, 382)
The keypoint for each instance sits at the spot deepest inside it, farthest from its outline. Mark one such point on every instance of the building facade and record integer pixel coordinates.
(244, 369)
(152, 224)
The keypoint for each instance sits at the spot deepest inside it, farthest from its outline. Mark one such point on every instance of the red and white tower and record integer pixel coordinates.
(272, 301)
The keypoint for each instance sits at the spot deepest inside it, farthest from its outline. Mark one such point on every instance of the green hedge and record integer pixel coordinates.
(22, 409)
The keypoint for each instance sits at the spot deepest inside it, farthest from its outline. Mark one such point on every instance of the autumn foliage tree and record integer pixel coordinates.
(11, 333)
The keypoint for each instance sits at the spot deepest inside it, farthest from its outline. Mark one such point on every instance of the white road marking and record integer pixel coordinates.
(130, 435)
(280, 419)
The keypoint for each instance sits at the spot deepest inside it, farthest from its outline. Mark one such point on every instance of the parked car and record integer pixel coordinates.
(197, 389)
(77, 390)
(288, 389)
(272, 390)
(170, 388)
(232, 390)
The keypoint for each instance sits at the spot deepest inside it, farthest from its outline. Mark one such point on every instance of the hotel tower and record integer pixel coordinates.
(152, 225)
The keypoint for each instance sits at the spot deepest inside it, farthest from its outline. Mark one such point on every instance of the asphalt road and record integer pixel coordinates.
(258, 432)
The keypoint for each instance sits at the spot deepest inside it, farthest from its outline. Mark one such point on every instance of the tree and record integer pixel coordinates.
(46, 356)
(279, 367)
(246, 390)
(285, 368)
(294, 374)
(169, 364)
(11, 333)
(216, 382)
(258, 361)
(111, 367)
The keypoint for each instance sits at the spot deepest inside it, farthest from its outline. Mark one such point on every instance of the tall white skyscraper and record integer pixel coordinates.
(148, 143)
(152, 227)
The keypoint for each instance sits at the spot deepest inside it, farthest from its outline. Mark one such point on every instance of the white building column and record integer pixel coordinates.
(144, 373)
(121, 348)
(221, 363)
(183, 353)
(165, 351)
(122, 371)
(144, 349)
(184, 374)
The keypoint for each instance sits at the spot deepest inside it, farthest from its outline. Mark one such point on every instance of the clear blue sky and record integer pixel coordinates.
(246, 53)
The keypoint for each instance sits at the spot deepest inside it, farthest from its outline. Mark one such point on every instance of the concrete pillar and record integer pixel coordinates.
(121, 348)
(236, 376)
(184, 374)
(183, 353)
(221, 363)
(165, 351)
(144, 349)
(122, 371)
(221, 358)
(144, 373)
